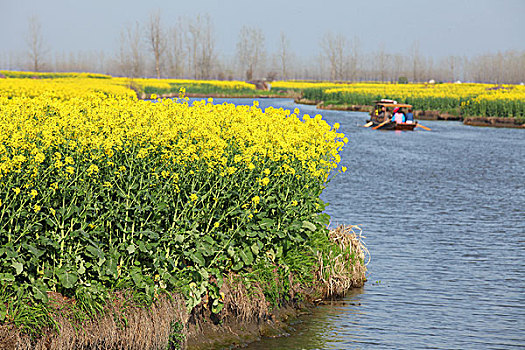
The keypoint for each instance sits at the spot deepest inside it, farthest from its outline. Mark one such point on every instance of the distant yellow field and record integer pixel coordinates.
(470, 99)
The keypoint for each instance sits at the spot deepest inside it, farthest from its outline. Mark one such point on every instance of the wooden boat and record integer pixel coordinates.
(378, 119)
(395, 126)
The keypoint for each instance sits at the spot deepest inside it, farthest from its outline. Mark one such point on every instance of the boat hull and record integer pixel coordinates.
(394, 126)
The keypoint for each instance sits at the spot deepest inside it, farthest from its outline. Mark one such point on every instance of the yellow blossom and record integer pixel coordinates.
(92, 169)
(40, 157)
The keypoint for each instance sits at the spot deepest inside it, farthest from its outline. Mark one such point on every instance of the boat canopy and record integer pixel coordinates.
(389, 104)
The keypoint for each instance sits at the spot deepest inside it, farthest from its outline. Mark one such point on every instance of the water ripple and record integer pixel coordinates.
(444, 217)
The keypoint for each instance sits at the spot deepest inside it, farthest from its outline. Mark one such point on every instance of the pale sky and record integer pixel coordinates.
(442, 27)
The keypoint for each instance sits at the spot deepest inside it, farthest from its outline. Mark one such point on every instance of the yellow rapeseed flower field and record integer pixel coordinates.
(101, 190)
(467, 99)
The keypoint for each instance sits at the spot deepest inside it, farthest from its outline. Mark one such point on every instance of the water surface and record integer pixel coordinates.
(443, 213)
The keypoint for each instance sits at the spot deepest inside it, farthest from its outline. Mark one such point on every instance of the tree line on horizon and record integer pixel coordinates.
(187, 49)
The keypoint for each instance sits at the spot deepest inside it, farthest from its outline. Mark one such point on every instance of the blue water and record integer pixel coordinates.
(443, 212)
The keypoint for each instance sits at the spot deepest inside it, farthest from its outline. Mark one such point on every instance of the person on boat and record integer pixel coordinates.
(409, 116)
(398, 117)
(377, 112)
(384, 115)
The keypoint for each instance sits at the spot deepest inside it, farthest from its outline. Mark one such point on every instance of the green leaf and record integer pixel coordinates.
(237, 266)
(246, 256)
(136, 275)
(131, 249)
(209, 239)
(267, 223)
(111, 268)
(81, 269)
(252, 233)
(18, 266)
(308, 225)
(40, 292)
(7, 277)
(323, 219)
(153, 235)
(255, 248)
(35, 251)
(217, 307)
(96, 252)
(3, 312)
(279, 252)
(197, 258)
(142, 247)
(204, 274)
(67, 278)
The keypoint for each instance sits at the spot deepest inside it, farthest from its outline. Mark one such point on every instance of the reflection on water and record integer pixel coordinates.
(444, 216)
(309, 331)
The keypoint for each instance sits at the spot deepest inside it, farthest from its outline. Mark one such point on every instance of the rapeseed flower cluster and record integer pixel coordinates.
(99, 125)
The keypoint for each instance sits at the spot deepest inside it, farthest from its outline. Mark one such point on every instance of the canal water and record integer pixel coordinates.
(443, 212)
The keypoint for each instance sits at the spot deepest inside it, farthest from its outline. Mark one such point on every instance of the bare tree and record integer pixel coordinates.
(334, 48)
(131, 60)
(192, 41)
(354, 59)
(35, 43)
(397, 69)
(177, 55)
(416, 61)
(250, 51)
(200, 44)
(382, 62)
(207, 49)
(156, 40)
(284, 52)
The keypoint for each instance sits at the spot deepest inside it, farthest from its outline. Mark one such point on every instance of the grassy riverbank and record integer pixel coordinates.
(472, 103)
(256, 303)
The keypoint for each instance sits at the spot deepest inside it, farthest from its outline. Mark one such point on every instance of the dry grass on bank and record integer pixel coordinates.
(337, 277)
(245, 316)
(120, 327)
